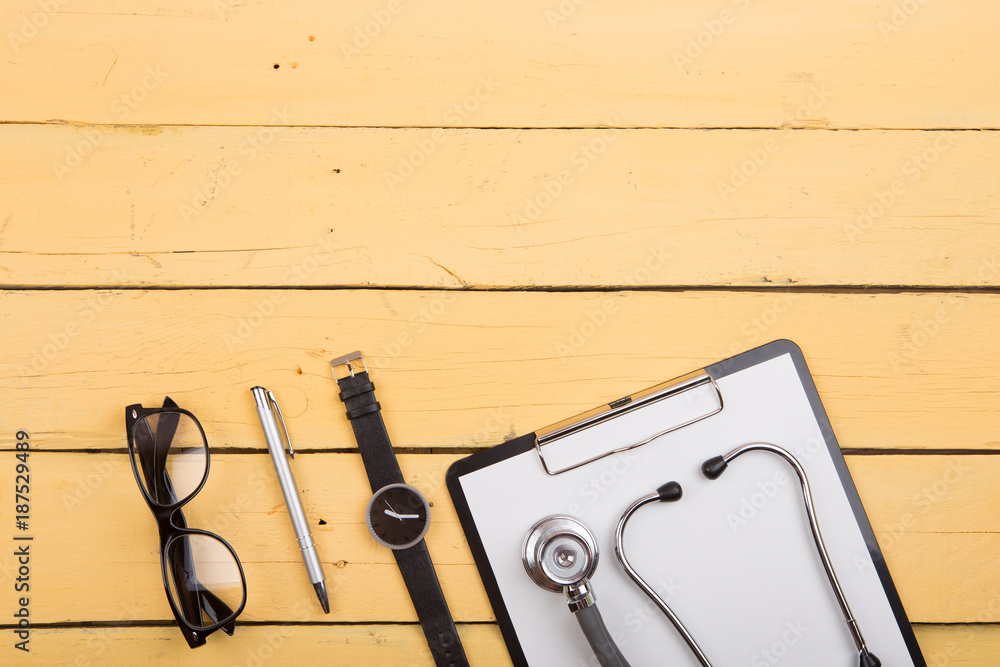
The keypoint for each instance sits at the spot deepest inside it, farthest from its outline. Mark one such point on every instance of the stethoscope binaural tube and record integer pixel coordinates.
(669, 492)
(713, 469)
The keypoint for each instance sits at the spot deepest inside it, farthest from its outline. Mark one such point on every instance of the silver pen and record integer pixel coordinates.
(267, 407)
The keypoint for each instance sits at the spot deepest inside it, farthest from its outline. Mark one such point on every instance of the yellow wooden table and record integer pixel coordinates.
(518, 211)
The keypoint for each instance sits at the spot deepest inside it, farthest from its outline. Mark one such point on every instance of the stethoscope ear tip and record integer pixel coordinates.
(670, 492)
(714, 467)
(870, 660)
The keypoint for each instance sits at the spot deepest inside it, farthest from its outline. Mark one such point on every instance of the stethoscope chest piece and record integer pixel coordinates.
(559, 551)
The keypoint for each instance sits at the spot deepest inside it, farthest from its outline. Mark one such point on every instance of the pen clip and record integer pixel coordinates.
(274, 406)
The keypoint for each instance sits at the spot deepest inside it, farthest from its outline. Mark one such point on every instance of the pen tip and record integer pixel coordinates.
(321, 594)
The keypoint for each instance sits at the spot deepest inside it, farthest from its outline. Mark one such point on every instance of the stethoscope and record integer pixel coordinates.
(560, 554)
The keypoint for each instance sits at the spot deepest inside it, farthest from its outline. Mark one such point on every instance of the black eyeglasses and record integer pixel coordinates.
(202, 575)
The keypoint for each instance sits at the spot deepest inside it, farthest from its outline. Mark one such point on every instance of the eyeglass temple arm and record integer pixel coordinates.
(216, 609)
(196, 598)
(208, 601)
(146, 458)
(186, 584)
(202, 598)
(166, 429)
(154, 463)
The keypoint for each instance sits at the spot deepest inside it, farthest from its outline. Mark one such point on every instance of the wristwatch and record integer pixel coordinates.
(398, 515)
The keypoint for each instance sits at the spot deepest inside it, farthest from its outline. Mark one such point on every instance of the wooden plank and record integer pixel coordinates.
(390, 645)
(690, 64)
(471, 369)
(203, 206)
(93, 500)
(253, 646)
(960, 645)
(87, 517)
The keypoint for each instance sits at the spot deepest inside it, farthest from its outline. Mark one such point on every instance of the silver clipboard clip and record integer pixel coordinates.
(620, 407)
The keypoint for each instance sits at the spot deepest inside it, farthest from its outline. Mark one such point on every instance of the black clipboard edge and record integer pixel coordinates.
(464, 466)
(718, 371)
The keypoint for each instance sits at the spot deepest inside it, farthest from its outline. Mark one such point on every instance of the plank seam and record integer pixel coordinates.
(242, 623)
(503, 128)
(468, 451)
(554, 289)
(239, 622)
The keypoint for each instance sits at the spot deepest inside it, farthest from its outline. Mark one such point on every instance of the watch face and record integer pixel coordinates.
(398, 516)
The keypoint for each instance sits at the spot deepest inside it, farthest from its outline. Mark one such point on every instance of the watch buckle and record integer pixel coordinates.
(346, 361)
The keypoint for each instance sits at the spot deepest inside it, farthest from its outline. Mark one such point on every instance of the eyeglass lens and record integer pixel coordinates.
(204, 579)
(173, 456)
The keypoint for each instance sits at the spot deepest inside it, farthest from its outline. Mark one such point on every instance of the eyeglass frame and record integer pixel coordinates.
(170, 531)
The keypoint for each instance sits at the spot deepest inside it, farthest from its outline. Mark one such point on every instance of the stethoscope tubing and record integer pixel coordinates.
(646, 588)
(712, 469)
(581, 600)
(845, 608)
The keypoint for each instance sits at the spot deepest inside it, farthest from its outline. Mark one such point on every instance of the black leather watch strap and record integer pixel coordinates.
(432, 609)
(358, 394)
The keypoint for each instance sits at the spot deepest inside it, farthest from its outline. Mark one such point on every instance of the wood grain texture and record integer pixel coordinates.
(431, 182)
(253, 646)
(550, 64)
(943, 550)
(453, 369)
(209, 206)
(397, 645)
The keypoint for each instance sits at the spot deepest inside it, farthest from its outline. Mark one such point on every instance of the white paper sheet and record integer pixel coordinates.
(734, 557)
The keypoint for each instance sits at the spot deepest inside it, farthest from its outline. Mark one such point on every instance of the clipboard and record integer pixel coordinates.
(733, 558)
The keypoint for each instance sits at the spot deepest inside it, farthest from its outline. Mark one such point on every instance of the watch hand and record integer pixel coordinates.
(408, 516)
(393, 514)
